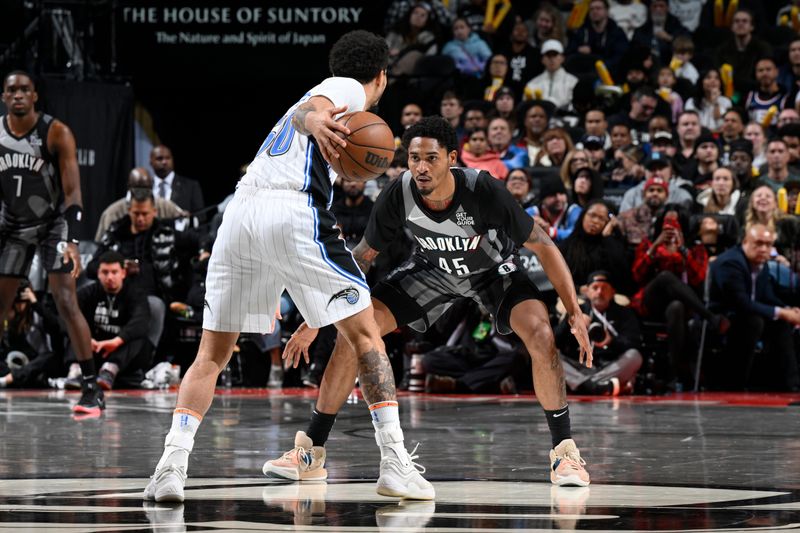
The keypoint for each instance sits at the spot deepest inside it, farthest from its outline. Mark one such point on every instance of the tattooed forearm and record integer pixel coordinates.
(538, 236)
(299, 117)
(376, 377)
(364, 255)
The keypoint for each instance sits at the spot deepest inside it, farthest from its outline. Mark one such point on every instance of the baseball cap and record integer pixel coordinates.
(657, 160)
(599, 275)
(592, 142)
(664, 137)
(656, 181)
(551, 45)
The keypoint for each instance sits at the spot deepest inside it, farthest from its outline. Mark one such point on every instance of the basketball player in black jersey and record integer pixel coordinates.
(468, 229)
(41, 208)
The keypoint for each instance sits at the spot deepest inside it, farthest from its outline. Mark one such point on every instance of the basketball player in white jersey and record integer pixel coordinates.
(278, 233)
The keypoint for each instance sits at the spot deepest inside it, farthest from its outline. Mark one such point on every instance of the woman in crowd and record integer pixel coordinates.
(556, 143)
(587, 250)
(669, 276)
(520, 183)
(414, 37)
(723, 196)
(574, 160)
(709, 101)
(495, 76)
(546, 23)
(754, 132)
(587, 186)
(629, 170)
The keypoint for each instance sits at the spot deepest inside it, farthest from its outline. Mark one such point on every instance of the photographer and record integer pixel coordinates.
(27, 357)
(614, 332)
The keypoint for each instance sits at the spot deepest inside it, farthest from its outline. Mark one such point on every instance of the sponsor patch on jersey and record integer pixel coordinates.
(34, 139)
(350, 294)
(463, 219)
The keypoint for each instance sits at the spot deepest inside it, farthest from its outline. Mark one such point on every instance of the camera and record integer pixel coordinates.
(597, 332)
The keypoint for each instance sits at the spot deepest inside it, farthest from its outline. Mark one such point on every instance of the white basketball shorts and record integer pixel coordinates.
(271, 240)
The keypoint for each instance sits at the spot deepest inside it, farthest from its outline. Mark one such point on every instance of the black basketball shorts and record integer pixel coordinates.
(418, 293)
(18, 246)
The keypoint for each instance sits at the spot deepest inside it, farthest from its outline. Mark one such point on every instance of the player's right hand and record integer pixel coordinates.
(323, 126)
(298, 345)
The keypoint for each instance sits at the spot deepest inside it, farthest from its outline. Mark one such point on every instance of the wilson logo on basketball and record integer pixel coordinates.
(376, 161)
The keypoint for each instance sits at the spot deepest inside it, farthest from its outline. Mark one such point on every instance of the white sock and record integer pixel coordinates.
(388, 433)
(180, 439)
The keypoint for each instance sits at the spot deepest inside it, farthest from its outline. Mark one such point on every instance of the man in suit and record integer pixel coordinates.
(741, 287)
(138, 178)
(166, 184)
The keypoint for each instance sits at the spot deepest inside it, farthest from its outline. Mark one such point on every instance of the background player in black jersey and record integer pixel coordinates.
(469, 228)
(41, 208)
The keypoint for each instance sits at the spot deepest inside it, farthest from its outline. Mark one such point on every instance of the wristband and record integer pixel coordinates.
(73, 215)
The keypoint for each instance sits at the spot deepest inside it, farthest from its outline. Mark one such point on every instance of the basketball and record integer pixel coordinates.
(369, 150)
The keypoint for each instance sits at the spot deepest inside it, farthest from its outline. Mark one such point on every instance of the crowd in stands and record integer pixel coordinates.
(656, 142)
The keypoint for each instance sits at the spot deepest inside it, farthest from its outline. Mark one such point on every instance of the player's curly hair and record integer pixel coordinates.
(433, 127)
(360, 55)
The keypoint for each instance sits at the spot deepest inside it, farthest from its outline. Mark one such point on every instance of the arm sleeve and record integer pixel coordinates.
(139, 318)
(501, 211)
(387, 217)
(342, 92)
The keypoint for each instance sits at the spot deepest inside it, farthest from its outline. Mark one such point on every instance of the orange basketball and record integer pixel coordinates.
(369, 150)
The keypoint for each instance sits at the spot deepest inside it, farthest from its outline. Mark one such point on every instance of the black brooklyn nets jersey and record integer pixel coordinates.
(29, 177)
(483, 226)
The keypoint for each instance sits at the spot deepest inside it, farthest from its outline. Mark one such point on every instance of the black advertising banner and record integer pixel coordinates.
(101, 118)
(254, 40)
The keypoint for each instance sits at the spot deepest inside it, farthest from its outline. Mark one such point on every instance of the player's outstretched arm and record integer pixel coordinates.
(316, 117)
(364, 255)
(61, 142)
(559, 275)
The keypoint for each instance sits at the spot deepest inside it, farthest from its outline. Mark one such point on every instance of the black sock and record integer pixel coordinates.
(320, 427)
(88, 370)
(558, 421)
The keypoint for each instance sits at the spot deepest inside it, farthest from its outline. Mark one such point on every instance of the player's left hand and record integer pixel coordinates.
(72, 254)
(298, 345)
(578, 329)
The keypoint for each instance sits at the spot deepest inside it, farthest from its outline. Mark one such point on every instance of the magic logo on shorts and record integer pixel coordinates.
(350, 294)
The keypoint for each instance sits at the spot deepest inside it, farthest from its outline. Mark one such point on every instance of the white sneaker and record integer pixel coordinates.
(401, 478)
(166, 485)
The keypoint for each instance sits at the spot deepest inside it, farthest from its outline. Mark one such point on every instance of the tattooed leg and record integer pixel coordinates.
(530, 322)
(364, 339)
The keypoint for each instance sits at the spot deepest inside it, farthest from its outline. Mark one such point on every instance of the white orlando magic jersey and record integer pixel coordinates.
(291, 161)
